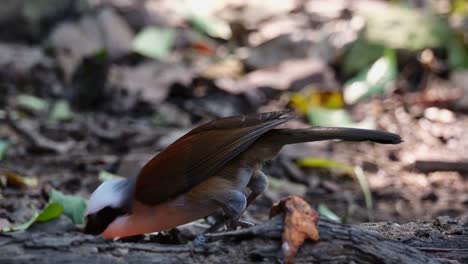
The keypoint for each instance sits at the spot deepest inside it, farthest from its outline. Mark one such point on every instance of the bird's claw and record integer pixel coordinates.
(200, 241)
(233, 224)
(230, 224)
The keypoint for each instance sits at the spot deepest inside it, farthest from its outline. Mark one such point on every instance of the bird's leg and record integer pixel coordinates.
(233, 204)
(257, 184)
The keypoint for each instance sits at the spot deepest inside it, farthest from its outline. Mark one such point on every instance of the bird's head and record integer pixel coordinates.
(111, 200)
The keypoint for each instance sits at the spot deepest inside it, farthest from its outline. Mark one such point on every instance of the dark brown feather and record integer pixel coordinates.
(292, 136)
(200, 154)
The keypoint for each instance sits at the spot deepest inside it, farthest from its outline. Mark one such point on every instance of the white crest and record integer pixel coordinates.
(109, 193)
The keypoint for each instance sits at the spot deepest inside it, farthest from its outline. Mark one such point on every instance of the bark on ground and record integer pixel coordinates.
(442, 240)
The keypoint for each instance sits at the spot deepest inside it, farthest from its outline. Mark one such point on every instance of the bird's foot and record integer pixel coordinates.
(200, 241)
(234, 224)
(231, 224)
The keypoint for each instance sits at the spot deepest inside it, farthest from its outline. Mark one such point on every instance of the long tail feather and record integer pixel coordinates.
(292, 136)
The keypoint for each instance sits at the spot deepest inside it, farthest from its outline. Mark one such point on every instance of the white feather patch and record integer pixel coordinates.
(107, 194)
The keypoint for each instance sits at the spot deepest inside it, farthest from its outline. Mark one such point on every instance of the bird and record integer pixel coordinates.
(214, 168)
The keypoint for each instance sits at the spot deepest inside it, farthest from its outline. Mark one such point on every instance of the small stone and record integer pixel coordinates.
(192, 230)
(57, 226)
(4, 223)
(370, 167)
(120, 252)
(439, 115)
(430, 196)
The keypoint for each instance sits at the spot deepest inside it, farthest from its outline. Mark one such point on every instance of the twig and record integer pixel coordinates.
(102, 133)
(31, 134)
(434, 249)
(294, 173)
(154, 248)
(270, 229)
(432, 166)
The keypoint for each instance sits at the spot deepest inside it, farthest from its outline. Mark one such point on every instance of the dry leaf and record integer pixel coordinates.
(300, 223)
(288, 75)
(229, 68)
(152, 80)
(203, 47)
(12, 178)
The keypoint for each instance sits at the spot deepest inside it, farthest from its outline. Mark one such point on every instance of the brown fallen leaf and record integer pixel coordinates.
(229, 68)
(92, 33)
(300, 223)
(282, 48)
(203, 48)
(288, 75)
(117, 35)
(152, 80)
(8, 177)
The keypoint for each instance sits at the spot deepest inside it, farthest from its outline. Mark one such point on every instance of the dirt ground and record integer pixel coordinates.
(400, 193)
(117, 128)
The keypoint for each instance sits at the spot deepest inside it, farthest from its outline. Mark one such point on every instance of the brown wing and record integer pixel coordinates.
(201, 153)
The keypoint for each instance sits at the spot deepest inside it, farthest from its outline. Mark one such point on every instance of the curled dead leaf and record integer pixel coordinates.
(153, 80)
(229, 68)
(300, 223)
(288, 75)
(8, 177)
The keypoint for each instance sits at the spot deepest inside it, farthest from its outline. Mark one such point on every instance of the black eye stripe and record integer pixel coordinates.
(110, 213)
(98, 222)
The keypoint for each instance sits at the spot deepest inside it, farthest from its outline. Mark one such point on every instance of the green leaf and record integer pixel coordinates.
(321, 116)
(459, 7)
(50, 212)
(32, 103)
(154, 42)
(407, 29)
(105, 176)
(361, 55)
(372, 81)
(73, 206)
(324, 163)
(311, 96)
(211, 26)
(323, 210)
(363, 183)
(60, 111)
(288, 186)
(4, 144)
(457, 53)
(357, 172)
